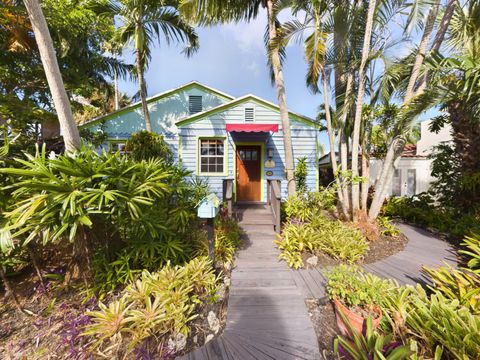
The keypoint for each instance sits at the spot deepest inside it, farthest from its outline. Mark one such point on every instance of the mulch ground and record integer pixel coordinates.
(322, 315)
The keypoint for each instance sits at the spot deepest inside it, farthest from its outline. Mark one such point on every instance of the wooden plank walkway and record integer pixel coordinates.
(267, 317)
(422, 249)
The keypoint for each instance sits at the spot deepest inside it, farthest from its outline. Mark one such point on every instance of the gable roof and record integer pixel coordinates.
(249, 97)
(154, 98)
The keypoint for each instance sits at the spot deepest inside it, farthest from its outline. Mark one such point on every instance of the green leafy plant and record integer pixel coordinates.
(387, 228)
(145, 145)
(301, 172)
(354, 288)
(371, 346)
(306, 206)
(158, 304)
(472, 252)
(295, 239)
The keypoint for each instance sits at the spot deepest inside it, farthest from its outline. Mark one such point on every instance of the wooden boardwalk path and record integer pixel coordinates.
(422, 249)
(267, 317)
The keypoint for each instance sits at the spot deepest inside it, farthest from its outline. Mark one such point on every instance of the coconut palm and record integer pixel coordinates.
(68, 126)
(143, 22)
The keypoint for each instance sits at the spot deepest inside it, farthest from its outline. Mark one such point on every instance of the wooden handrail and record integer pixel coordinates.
(228, 194)
(275, 202)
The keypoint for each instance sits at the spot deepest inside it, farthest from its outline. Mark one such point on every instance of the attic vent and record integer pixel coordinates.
(195, 104)
(249, 114)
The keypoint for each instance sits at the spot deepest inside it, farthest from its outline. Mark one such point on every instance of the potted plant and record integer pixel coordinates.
(354, 297)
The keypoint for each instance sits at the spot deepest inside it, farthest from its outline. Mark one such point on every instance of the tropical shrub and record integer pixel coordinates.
(301, 172)
(158, 304)
(331, 237)
(472, 252)
(141, 209)
(227, 239)
(355, 288)
(421, 210)
(145, 145)
(306, 206)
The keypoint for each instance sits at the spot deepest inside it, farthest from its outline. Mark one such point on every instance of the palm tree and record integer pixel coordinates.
(68, 126)
(143, 21)
(220, 11)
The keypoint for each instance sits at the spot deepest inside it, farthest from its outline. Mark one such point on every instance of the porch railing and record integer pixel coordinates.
(228, 195)
(275, 200)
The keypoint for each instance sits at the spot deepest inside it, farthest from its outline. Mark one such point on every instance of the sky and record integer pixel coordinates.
(232, 59)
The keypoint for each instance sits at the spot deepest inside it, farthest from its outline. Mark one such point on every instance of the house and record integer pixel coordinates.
(413, 174)
(219, 137)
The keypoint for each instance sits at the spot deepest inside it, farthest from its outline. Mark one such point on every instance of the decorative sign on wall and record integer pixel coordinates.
(269, 164)
(269, 173)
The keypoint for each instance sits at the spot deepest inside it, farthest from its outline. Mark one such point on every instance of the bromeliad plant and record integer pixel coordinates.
(158, 304)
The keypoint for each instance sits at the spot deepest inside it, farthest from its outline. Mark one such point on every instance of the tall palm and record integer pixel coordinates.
(68, 126)
(143, 22)
(221, 11)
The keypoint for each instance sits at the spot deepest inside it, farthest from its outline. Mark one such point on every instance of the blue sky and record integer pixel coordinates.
(232, 59)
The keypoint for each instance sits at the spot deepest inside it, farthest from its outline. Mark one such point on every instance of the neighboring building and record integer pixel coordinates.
(220, 137)
(413, 174)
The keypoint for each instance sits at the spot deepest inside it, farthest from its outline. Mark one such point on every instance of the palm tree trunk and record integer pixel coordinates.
(366, 182)
(282, 101)
(115, 89)
(422, 50)
(396, 146)
(61, 102)
(343, 150)
(360, 101)
(331, 141)
(439, 37)
(143, 91)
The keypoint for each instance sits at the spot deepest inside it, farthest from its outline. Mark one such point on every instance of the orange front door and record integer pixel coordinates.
(248, 160)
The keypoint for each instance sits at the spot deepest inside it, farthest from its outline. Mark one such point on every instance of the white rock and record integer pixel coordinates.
(313, 260)
(209, 338)
(178, 343)
(227, 281)
(195, 339)
(213, 322)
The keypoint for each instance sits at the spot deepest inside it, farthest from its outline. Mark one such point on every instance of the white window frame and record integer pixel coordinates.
(199, 156)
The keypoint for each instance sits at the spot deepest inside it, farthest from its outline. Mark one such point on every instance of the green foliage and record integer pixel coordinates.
(332, 237)
(461, 285)
(145, 145)
(387, 228)
(304, 207)
(157, 304)
(227, 239)
(472, 252)
(301, 172)
(371, 346)
(421, 210)
(353, 287)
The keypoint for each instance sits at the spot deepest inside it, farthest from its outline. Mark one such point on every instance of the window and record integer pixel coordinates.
(249, 114)
(397, 183)
(411, 181)
(249, 155)
(195, 104)
(117, 146)
(211, 156)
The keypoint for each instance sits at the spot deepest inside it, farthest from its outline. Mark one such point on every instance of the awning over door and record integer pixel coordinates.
(252, 127)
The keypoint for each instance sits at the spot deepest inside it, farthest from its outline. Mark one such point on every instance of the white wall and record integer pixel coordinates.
(422, 167)
(430, 139)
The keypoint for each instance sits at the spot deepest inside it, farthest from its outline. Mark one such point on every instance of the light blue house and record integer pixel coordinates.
(220, 137)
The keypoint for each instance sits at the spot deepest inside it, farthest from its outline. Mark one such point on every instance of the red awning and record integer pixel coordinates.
(252, 127)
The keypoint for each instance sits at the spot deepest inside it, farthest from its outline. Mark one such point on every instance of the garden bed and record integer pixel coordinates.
(57, 318)
(378, 250)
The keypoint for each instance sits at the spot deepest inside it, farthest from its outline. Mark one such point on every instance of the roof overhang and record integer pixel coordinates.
(252, 128)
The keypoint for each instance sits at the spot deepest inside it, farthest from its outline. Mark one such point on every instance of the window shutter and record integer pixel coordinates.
(249, 114)
(195, 104)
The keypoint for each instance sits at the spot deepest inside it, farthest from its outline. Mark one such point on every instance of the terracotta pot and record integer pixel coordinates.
(358, 322)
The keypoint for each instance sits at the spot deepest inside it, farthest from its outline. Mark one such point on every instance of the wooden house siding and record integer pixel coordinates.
(304, 139)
